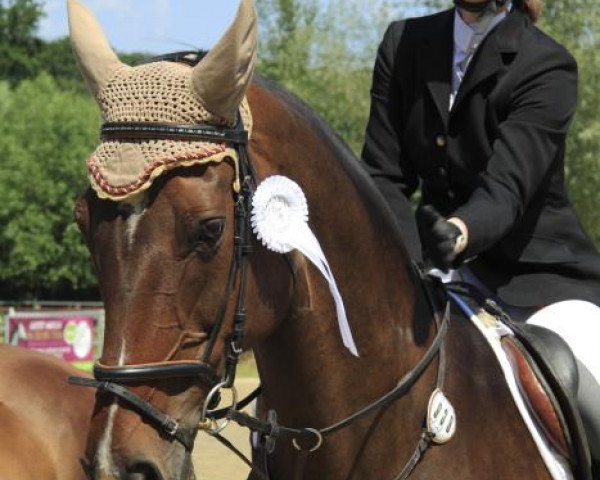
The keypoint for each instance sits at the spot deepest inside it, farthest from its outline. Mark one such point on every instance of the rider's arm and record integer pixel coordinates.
(525, 151)
(382, 151)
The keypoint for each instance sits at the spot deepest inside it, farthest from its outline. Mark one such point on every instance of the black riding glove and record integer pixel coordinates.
(439, 238)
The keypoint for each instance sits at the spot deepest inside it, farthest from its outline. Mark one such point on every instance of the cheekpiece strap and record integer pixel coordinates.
(168, 131)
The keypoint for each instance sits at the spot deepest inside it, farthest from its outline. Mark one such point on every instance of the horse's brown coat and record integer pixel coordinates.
(43, 420)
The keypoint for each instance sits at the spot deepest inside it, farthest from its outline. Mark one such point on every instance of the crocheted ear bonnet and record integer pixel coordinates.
(210, 93)
(156, 92)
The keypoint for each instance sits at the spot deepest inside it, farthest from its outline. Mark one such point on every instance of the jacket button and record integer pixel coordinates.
(451, 194)
(442, 172)
(440, 141)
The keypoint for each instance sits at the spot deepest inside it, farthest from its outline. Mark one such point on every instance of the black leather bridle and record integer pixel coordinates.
(112, 379)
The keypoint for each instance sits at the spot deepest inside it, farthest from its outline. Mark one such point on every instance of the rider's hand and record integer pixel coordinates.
(443, 239)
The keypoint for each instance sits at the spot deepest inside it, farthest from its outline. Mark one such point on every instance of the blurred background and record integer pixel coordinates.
(322, 50)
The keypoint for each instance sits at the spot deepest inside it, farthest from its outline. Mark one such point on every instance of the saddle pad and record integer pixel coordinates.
(493, 331)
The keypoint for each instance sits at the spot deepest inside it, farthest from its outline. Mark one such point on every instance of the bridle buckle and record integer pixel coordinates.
(171, 427)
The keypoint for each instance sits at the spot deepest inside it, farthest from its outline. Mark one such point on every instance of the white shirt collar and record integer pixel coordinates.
(463, 31)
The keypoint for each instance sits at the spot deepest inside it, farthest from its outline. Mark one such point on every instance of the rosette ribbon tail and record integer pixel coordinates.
(280, 222)
(306, 243)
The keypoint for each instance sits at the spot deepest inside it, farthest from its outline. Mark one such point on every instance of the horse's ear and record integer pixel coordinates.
(222, 77)
(96, 58)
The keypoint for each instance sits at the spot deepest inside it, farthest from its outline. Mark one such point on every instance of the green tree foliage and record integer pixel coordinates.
(576, 24)
(324, 53)
(48, 127)
(19, 45)
(45, 133)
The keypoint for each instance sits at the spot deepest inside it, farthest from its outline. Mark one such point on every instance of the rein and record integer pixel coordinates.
(270, 431)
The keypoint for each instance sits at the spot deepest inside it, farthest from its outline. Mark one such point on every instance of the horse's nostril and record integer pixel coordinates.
(143, 471)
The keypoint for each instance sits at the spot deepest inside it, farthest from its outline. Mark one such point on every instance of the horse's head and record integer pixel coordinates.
(165, 226)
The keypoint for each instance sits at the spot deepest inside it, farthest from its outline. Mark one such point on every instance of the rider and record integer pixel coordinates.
(474, 103)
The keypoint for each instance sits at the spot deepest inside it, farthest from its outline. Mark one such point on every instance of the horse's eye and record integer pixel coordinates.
(209, 232)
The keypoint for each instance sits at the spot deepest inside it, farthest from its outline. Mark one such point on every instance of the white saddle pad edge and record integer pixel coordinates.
(557, 467)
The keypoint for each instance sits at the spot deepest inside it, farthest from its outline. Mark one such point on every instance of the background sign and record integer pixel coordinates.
(67, 335)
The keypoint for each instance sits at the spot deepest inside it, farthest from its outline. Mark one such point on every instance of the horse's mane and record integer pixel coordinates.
(370, 194)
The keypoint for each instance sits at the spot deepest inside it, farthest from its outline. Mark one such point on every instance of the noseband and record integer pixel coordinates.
(110, 379)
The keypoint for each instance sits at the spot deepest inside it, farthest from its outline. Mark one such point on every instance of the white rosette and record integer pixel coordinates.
(280, 221)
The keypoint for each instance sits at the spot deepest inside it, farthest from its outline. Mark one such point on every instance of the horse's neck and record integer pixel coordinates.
(311, 380)
(304, 363)
(308, 375)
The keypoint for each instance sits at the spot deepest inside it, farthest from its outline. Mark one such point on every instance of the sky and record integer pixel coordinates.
(155, 26)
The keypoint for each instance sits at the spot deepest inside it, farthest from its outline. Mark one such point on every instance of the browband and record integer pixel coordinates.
(169, 131)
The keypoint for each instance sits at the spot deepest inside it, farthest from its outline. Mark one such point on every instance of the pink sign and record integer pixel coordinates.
(67, 337)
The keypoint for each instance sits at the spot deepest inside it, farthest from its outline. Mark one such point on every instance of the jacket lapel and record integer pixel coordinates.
(493, 54)
(436, 54)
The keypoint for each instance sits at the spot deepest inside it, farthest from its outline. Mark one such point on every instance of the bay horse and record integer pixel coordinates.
(44, 421)
(164, 239)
